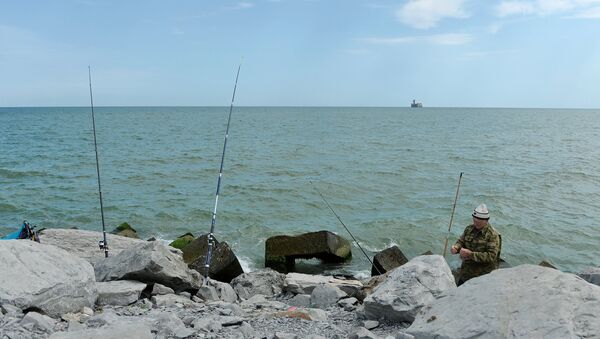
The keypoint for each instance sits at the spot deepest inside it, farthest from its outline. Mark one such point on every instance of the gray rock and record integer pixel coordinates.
(87, 311)
(317, 314)
(170, 300)
(408, 288)
(325, 295)
(362, 333)
(267, 282)
(299, 283)
(247, 330)
(224, 265)
(224, 291)
(208, 293)
(208, 323)
(75, 326)
(187, 295)
(233, 308)
(283, 335)
(349, 304)
(591, 275)
(402, 335)
(150, 262)
(300, 300)
(161, 289)
(170, 326)
(84, 244)
(315, 336)
(114, 331)
(370, 324)
(36, 321)
(13, 310)
(119, 292)
(524, 301)
(48, 278)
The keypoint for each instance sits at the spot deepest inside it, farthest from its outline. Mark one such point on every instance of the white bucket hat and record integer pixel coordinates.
(481, 212)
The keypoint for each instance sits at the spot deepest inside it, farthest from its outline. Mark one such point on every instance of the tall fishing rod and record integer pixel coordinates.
(103, 244)
(452, 215)
(214, 214)
(341, 222)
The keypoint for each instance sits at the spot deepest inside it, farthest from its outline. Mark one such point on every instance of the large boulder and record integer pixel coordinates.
(408, 288)
(150, 262)
(224, 265)
(44, 277)
(527, 301)
(267, 282)
(84, 244)
(387, 260)
(281, 251)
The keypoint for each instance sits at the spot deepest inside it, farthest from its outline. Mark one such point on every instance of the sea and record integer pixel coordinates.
(391, 175)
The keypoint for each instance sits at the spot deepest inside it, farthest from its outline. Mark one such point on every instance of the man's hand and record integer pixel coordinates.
(465, 253)
(453, 250)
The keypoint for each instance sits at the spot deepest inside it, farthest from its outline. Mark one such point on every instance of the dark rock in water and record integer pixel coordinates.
(182, 241)
(591, 275)
(387, 260)
(224, 265)
(544, 263)
(503, 264)
(125, 230)
(151, 239)
(281, 251)
(427, 253)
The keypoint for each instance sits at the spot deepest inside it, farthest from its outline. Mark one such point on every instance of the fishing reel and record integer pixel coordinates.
(102, 245)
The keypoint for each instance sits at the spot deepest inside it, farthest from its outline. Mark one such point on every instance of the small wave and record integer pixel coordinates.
(247, 264)
(13, 174)
(5, 207)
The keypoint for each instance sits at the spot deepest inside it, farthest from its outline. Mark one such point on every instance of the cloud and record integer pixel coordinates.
(590, 13)
(435, 39)
(449, 39)
(424, 14)
(547, 7)
(508, 8)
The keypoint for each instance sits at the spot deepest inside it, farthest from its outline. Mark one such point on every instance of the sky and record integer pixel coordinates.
(444, 53)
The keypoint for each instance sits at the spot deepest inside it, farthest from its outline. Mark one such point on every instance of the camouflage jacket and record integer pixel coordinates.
(485, 245)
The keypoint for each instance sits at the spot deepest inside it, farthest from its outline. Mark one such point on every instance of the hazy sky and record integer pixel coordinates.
(523, 53)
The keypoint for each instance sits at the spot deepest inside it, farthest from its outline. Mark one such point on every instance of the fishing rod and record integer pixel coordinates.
(452, 215)
(341, 222)
(211, 239)
(103, 243)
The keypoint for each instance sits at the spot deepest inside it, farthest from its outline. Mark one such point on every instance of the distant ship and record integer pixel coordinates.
(416, 104)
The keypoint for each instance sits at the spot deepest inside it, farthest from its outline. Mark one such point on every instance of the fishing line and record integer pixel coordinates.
(341, 222)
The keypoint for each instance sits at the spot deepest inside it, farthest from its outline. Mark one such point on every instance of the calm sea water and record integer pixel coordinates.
(390, 173)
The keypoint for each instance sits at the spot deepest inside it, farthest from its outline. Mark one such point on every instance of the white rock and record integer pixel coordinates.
(34, 320)
(87, 311)
(44, 277)
(325, 295)
(370, 324)
(84, 244)
(115, 331)
(161, 289)
(224, 291)
(299, 283)
(408, 288)
(266, 281)
(170, 300)
(119, 292)
(150, 262)
(284, 335)
(317, 314)
(526, 301)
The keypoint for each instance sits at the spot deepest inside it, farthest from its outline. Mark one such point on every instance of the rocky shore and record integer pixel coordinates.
(65, 288)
